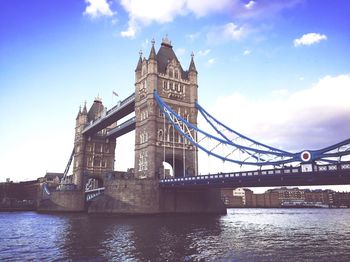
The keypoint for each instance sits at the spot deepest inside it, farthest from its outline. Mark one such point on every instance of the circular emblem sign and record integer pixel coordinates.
(305, 156)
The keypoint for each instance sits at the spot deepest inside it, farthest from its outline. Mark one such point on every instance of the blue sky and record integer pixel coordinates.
(278, 71)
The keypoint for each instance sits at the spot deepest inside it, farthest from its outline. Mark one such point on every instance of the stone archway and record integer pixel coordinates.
(176, 165)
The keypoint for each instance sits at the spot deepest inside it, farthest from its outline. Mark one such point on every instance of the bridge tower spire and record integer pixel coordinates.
(156, 141)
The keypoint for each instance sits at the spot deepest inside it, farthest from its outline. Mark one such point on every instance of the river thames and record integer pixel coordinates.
(241, 235)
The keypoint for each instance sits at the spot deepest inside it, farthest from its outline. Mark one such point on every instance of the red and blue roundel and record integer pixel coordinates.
(305, 156)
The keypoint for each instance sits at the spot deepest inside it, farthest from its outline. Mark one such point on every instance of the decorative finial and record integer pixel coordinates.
(153, 42)
(98, 98)
(166, 40)
(192, 54)
(140, 53)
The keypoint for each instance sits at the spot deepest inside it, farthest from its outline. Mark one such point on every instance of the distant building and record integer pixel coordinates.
(340, 199)
(21, 196)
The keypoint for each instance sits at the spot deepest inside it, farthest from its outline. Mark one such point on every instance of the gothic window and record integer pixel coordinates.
(171, 74)
(165, 85)
(143, 161)
(97, 161)
(145, 164)
(176, 74)
(170, 133)
(171, 86)
(107, 149)
(160, 135)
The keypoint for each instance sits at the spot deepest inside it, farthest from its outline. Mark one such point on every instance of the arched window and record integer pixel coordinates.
(170, 133)
(160, 135)
(171, 74)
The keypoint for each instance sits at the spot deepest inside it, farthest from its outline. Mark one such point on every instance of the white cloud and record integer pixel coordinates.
(250, 5)
(143, 13)
(204, 7)
(131, 31)
(98, 8)
(211, 61)
(247, 52)
(308, 119)
(280, 92)
(309, 39)
(203, 52)
(227, 32)
(146, 12)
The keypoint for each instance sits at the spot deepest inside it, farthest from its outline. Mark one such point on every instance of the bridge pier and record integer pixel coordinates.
(144, 196)
(63, 201)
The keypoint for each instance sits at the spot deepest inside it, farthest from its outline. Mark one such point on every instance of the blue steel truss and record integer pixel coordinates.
(229, 145)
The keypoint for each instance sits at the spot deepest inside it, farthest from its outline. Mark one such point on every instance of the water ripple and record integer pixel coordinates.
(241, 235)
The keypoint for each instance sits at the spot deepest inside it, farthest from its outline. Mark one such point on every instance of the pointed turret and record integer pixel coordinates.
(152, 54)
(84, 112)
(152, 60)
(192, 67)
(192, 76)
(79, 112)
(139, 63)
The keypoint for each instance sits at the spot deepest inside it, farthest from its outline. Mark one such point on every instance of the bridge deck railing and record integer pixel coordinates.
(289, 170)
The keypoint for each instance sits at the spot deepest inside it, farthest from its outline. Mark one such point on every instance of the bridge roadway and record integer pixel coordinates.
(122, 109)
(334, 174)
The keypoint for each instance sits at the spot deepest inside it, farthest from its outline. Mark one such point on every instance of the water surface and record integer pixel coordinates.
(241, 235)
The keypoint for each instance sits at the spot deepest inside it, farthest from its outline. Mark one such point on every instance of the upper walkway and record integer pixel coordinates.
(122, 109)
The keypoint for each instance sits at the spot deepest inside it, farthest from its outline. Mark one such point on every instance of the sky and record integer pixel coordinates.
(277, 71)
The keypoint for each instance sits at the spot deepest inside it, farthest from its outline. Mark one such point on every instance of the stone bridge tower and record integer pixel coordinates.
(93, 154)
(156, 140)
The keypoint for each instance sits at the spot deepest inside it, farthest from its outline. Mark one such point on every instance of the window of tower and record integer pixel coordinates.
(160, 135)
(97, 161)
(165, 85)
(176, 74)
(171, 74)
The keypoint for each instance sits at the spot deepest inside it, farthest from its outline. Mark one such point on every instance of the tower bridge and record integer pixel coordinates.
(166, 108)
